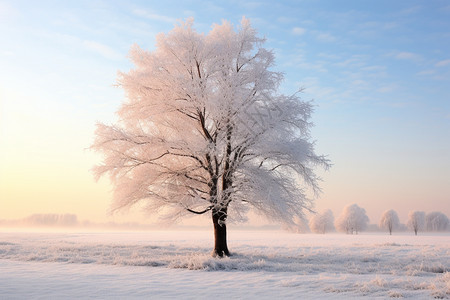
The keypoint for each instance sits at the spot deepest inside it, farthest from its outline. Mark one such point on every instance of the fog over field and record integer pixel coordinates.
(263, 265)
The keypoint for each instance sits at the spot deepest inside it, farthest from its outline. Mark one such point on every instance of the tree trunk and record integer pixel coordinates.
(220, 233)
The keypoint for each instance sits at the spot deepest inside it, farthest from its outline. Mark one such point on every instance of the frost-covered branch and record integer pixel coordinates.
(204, 129)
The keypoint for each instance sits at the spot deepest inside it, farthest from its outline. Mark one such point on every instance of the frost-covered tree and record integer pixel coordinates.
(436, 221)
(204, 129)
(416, 221)
(353, 219)
(389, 220)
(322, 222)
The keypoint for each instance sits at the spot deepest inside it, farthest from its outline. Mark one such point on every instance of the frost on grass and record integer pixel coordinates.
(375, 267)
(441, 286)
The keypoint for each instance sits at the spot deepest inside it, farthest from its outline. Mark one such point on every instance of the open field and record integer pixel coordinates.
(264, 265)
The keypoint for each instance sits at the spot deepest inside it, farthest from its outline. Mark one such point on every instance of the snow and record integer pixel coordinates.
(265, 265)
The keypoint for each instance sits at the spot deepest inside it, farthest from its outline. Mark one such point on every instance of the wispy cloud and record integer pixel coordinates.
(284, 19)
(298, 59)
(426, 73)
(390, 25)
(387, 88)
(298, 30)
(326, 37)
(359, 82)
(406, 55)
(443, 63)
(411, 10)
(250, 4)
(102, 49)
(375, 68)
(153, 16)
(329, 56)
(354, 61)
(189, 13)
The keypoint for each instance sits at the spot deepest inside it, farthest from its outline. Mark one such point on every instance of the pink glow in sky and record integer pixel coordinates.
(378, 74)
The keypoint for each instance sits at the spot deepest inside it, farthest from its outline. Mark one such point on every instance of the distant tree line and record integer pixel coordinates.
(354, 219)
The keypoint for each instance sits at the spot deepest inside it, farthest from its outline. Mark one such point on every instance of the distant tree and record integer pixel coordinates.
(389, 220)
(51, 220)
(352, 220)
(322, 222)
(204, 129)
(416, 221)
(436, 221)
(301, 226)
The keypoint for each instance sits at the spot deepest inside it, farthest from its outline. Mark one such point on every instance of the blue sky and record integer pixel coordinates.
(378, 71)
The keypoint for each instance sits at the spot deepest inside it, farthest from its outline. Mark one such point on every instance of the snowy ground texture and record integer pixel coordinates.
(264, 265)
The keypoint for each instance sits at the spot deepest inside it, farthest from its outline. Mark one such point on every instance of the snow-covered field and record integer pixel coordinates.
(265, 265)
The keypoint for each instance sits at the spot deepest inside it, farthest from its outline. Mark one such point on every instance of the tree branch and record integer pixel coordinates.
(199, 212)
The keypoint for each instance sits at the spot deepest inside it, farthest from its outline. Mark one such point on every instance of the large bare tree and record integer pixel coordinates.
(203, 129)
